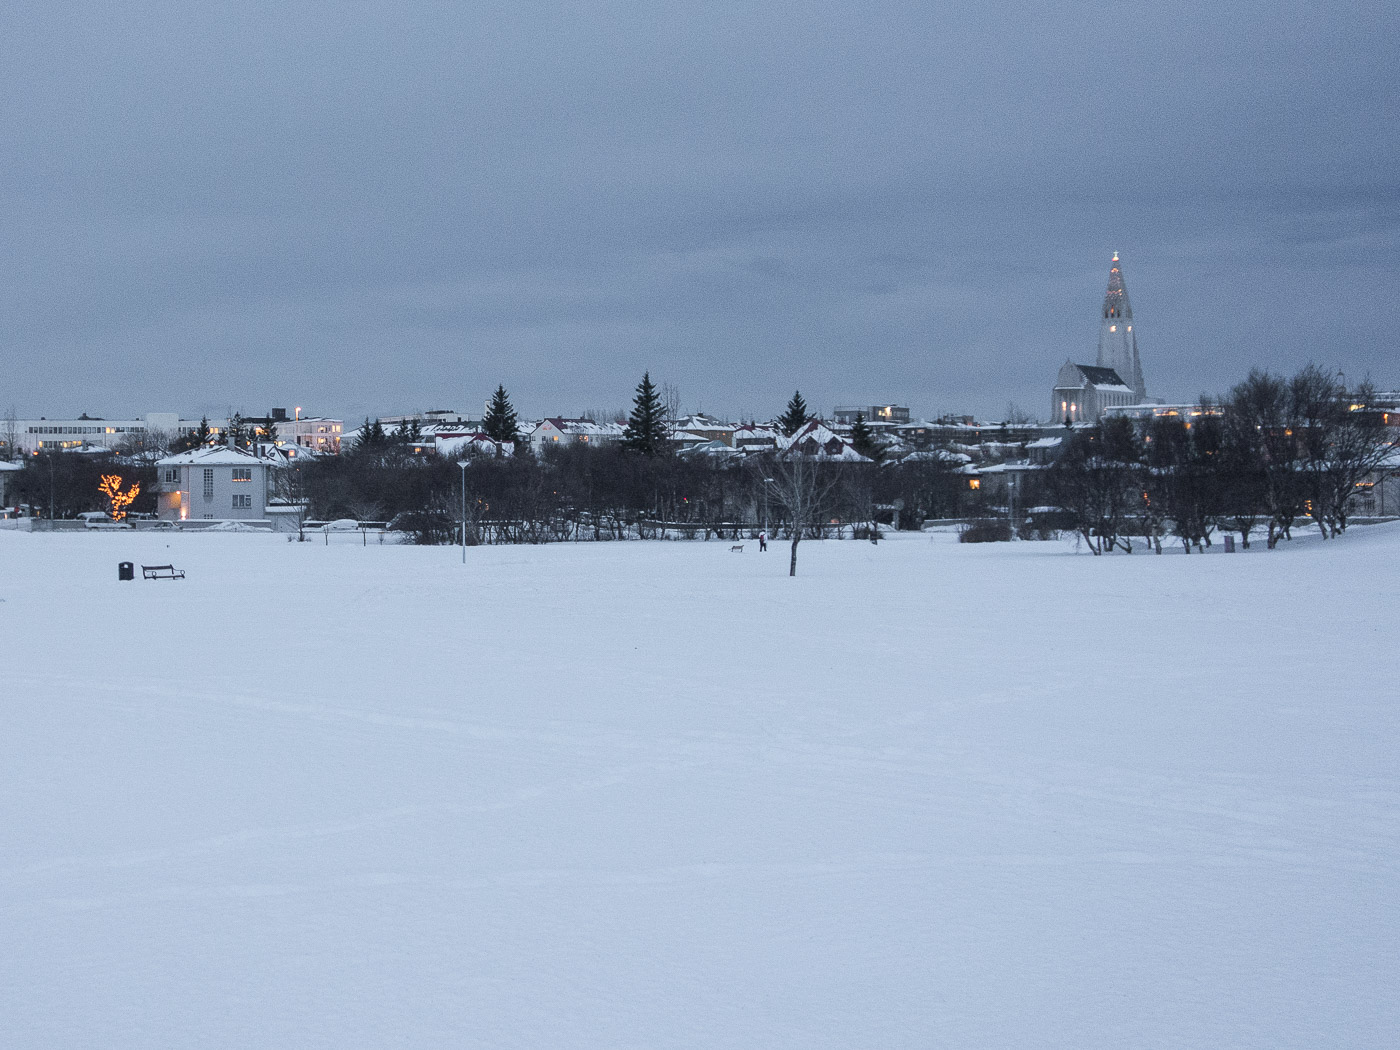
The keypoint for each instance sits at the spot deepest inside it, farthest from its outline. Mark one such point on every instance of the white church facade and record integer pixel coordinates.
(1082, 393)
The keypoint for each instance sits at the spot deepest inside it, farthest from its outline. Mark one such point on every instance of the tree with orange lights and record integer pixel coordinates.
(117, 500)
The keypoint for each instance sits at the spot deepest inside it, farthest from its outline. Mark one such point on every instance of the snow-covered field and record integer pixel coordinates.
(660, 795)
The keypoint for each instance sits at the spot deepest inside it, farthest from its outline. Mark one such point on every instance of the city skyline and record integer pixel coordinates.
(393, 212)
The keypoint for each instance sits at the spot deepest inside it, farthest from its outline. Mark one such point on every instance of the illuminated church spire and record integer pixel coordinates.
(1117, 341)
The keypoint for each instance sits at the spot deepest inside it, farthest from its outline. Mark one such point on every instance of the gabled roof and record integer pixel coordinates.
(473, 442)
(583, 426)
(700, 421)
(829, 445)
(216, 456)
(1101, 376)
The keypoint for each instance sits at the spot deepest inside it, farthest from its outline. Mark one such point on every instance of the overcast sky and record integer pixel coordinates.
(370, 208)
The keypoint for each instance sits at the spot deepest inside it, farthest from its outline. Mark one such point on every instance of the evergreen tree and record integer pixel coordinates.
(796, 415)
(238, 431)
(501, 422)
(862, 440)
(372, 437)
(194, 439)
(646, 427)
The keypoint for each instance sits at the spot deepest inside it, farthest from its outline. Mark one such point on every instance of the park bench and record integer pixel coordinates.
(162, 572)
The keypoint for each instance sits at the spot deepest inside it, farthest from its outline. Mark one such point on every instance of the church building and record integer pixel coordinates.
(1083, 392)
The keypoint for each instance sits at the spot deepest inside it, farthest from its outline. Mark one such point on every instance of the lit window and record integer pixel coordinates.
(242, 473)
(1113, 328)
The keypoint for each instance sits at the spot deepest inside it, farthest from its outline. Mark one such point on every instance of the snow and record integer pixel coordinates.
(991, 795)
(214, 455)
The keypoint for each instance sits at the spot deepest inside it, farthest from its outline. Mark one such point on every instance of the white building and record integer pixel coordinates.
(31, 435)
(1084, 392)
(219, 483)
(557, 431)
(846, 415)
(317, 432)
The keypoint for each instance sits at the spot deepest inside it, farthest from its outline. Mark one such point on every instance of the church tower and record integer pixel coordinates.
(1117, 342)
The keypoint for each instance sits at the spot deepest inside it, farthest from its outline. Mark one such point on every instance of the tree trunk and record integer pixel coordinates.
(796, 539)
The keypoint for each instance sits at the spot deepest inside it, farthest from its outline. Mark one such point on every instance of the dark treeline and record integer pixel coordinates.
(63, 484)
(612, 492)
(1273, 453)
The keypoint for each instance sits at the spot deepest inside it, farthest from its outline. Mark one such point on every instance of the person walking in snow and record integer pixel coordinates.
(762, 542)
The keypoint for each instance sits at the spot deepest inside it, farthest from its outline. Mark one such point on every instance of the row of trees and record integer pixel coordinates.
(59, 484)
(611, 492)
(1274, 452)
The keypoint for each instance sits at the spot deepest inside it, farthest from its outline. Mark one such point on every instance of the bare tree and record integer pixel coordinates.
(150, 443)
(671, 400)
(366, 509)
(1342, 440)
(9, 434)
(289, 489)
(1362, 444)
(1095, 480)
(1016, 415)
(1261, 425)
(802, 486)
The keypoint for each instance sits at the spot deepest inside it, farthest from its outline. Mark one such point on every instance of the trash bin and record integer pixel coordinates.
(1229, 545)
(125, 570)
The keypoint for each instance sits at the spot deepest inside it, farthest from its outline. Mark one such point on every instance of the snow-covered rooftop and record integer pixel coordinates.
(218, 455)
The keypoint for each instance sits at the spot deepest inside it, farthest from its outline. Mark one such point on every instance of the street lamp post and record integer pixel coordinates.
(463, 464)
(1011, 504)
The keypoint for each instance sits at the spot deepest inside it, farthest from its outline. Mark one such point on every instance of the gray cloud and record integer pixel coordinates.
(361, 209)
